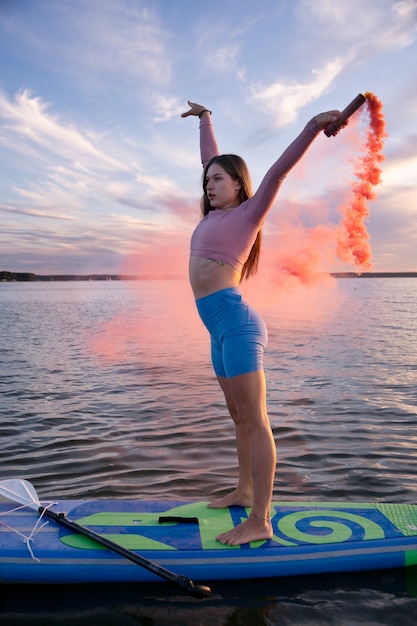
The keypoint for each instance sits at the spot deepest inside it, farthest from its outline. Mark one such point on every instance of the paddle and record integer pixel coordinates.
(23, 492)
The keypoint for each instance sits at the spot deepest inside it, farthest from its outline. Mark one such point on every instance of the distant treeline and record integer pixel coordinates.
(375, 275)
(17, 276)
(28, 276)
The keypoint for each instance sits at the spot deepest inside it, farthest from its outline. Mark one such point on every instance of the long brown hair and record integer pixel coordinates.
(236, 167)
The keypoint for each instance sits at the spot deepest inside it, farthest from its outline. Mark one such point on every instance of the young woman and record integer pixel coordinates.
(224, 249)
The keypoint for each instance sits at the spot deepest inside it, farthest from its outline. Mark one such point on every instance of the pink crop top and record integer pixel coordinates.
(228, 235)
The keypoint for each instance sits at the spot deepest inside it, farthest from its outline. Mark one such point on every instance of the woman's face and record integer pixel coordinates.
(221, 189)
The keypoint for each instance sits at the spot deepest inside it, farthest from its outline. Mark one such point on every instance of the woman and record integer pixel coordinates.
(225, 248)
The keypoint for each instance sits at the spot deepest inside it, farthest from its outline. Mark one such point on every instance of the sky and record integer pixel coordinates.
(100, 174)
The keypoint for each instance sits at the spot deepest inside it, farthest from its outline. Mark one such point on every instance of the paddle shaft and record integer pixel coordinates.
(198, 591)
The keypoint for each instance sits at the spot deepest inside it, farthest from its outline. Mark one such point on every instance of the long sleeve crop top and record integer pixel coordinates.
(228, 235)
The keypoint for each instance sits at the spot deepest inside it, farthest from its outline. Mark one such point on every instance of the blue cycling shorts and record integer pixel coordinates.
(238, 333)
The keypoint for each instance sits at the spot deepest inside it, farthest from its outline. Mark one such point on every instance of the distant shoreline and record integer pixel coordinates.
(374, 275)
(30, 277)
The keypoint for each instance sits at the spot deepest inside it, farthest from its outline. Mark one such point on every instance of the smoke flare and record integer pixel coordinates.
(352, 238)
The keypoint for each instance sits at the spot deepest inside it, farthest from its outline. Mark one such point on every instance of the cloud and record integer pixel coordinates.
(112, 244)
(117, 76)
(166, 107)
(28, 119)
(158, 186)
(393, 229)
(401, 172)
(384, 24)
(222, 58)
(95, 40)
(283, 100)
(84, 178)
(15, 210)
(364, 29)
(367, 29)
(222, 46)
(70, 167)
(129, 41)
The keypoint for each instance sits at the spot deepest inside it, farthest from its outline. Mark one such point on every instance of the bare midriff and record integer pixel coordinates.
(208, 276)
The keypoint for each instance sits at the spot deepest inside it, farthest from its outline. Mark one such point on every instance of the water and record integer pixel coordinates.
(107, 391)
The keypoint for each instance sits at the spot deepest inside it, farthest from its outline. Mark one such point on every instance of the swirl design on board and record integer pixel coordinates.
(325, 526)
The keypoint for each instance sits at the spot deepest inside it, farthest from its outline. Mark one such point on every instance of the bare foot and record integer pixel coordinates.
(232, 499)
(252, 529)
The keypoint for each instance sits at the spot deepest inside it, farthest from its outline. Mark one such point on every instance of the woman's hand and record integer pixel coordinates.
(195, 109)
(324, 119)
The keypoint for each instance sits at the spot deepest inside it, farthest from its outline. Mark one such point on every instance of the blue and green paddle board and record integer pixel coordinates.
(309, 538)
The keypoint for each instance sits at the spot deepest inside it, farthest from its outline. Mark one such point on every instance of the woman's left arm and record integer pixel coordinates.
(262, 200)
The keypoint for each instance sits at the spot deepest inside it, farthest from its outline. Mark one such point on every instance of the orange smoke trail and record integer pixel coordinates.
(352, 238)
(304, 252)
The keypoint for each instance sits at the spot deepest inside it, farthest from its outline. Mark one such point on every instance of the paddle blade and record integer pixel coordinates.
(21, 491)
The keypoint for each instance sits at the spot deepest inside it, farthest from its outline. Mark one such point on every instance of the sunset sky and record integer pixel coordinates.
(99, 173)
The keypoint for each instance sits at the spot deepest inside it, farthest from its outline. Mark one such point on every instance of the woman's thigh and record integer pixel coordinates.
(246, 396)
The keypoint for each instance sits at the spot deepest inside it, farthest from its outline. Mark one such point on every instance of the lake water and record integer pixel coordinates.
(107, 391)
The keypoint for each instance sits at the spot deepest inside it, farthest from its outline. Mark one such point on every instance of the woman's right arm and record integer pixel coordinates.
(208, 142)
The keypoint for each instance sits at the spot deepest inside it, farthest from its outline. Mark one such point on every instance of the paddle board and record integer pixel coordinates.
(309, 538)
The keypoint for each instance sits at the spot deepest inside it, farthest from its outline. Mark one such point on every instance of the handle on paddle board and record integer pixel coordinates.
(198, 591)
(168, 519)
